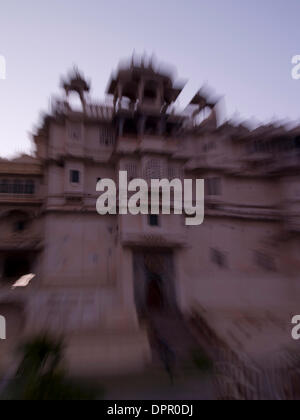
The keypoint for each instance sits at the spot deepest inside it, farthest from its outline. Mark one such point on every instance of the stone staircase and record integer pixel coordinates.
(171, 340)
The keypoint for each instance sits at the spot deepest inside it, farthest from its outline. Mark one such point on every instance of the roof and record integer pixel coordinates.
(132, 74)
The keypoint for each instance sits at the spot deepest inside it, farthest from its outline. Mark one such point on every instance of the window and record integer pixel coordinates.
(20, 226)
(106, 136)
(131, 169)
(209, 146)
(174, 172)
(219, 258)
(153, 170)
(153, 220)
(150, 90)
(17, 186)
(130, 127)
(170, 129)
(29, 187)
(151, 126)
(75, 131)
(213, 186)
(4, 186)
(297, 142)
(74, 177)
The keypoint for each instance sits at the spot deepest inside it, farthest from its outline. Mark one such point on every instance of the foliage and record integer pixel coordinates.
(202, 361)
(41, 376)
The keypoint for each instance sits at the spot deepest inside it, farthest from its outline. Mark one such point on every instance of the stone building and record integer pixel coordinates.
(97, 277)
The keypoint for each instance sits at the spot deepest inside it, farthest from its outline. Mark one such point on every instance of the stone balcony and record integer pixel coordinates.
(293, 224)
(21, 242)
(96, 111)
(291, 212)
(287, 162)
(158, 144)
(215, 207)
(127, 145)
(147, 144)
(20, 199)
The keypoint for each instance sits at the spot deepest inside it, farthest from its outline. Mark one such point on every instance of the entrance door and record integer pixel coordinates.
(154, 282)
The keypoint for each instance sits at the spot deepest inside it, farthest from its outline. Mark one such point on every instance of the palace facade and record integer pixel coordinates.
(98, 277)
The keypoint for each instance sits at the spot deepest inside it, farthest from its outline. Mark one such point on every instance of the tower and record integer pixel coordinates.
(142, 96)
(76, 83)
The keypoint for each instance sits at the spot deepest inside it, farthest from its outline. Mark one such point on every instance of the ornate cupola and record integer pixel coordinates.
(142, 94)
(76, 82)
(141, 86)
(201, 103)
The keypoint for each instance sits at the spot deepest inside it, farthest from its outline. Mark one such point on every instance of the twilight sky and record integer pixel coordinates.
(241, 48)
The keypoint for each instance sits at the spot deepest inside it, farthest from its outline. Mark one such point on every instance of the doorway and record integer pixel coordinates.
(154, 283)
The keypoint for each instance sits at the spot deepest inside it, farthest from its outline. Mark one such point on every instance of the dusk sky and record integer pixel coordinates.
(242, 49)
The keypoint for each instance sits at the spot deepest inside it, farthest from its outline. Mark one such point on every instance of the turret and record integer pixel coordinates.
(141, 86)
(142, 95)
(76, 83)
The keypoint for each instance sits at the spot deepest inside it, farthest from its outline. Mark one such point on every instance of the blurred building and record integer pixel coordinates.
(98, 277)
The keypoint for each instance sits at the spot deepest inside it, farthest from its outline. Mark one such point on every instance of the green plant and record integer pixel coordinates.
(202, 361)
(41, 375)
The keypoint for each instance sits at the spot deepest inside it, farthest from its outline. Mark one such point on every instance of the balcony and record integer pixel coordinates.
(127, 145)
(21, 242)
(20, 199)
(19, 190)
(158, 144)
(95, 111)
(147, 144)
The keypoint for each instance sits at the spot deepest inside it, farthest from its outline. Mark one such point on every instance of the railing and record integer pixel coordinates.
(238, 377)
(98, 111)
(103, 112)
(159, 144)
(20, 198)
